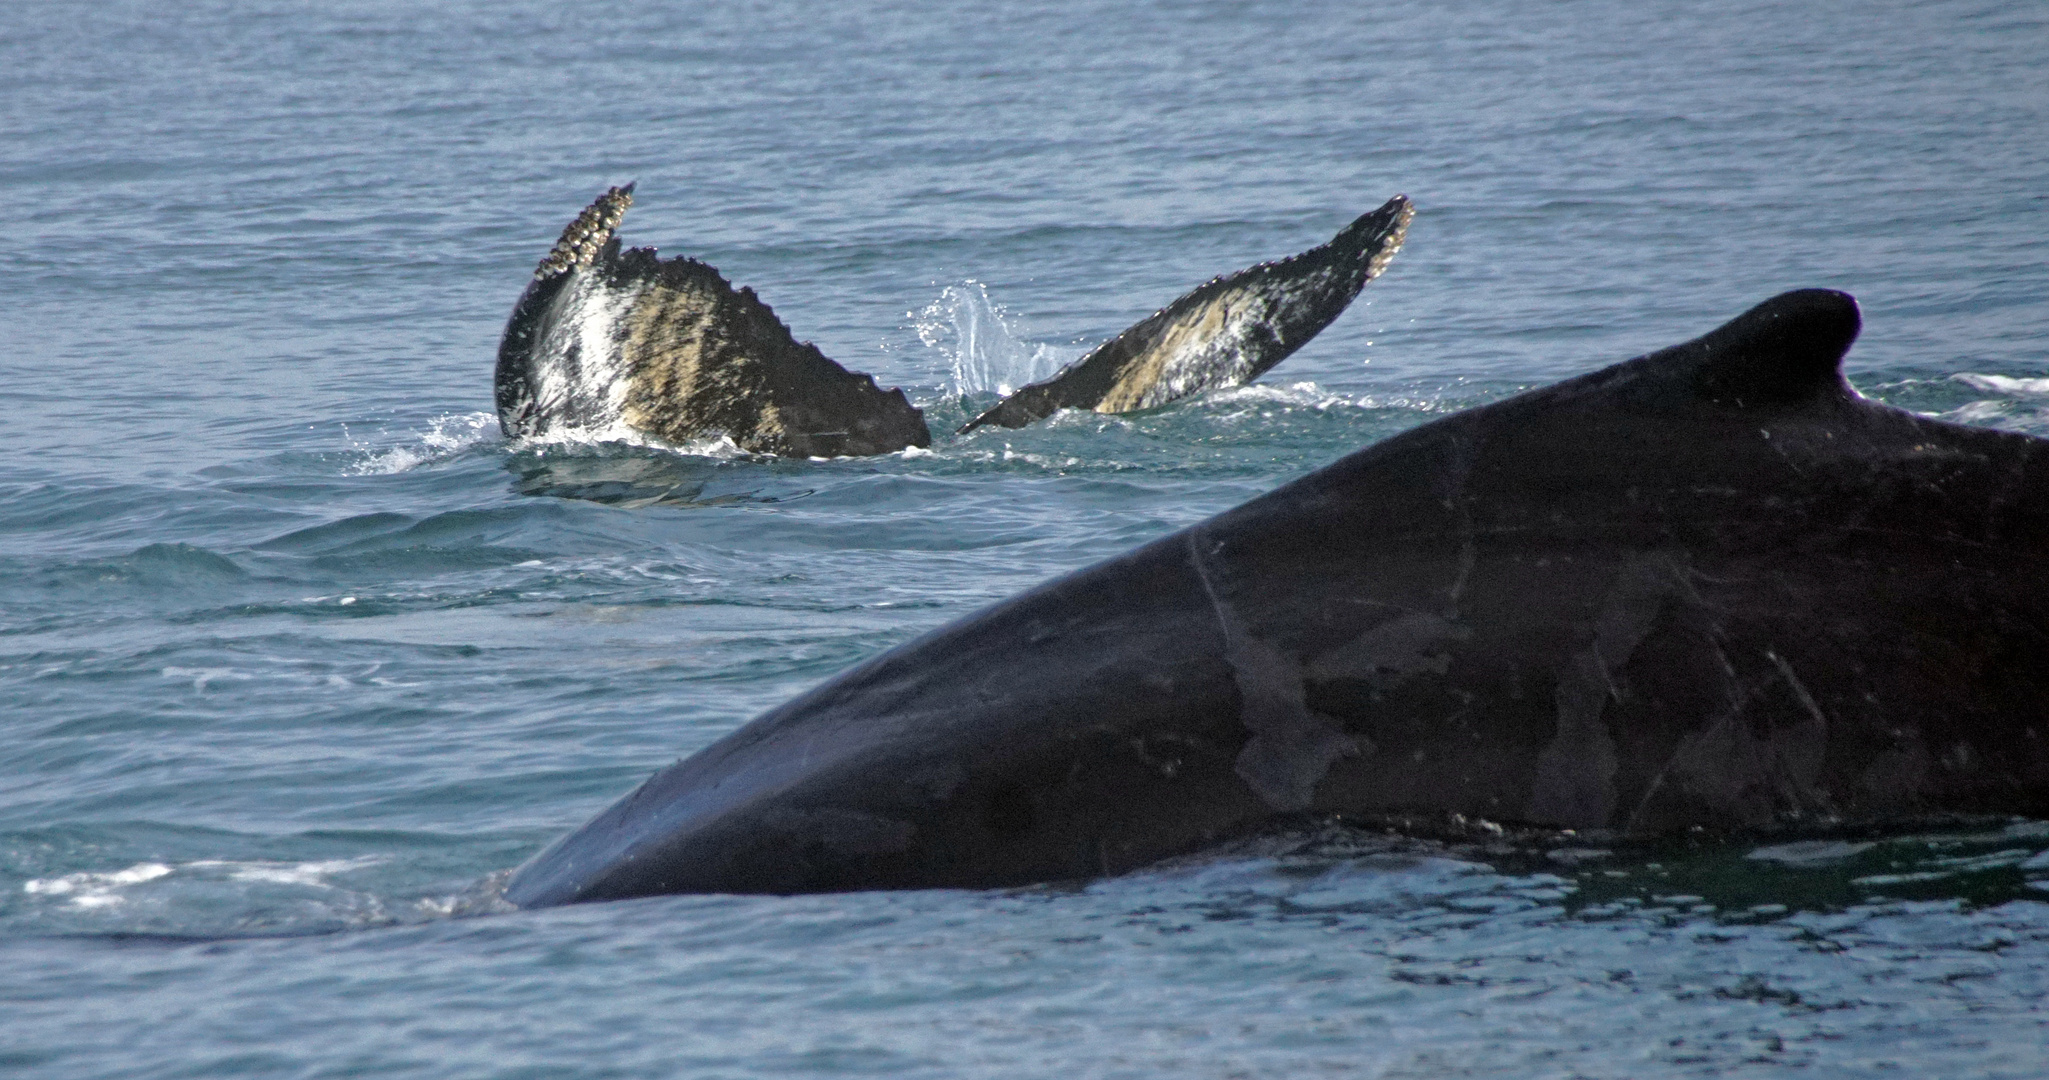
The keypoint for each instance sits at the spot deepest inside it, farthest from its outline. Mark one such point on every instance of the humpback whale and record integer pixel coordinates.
(667, 347)
(1225, 332)
(1711, 587)
(604, 338)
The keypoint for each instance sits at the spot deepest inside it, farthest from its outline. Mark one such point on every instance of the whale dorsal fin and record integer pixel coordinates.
(1786, 351)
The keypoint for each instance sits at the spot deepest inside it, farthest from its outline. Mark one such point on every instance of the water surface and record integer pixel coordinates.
(296, 653)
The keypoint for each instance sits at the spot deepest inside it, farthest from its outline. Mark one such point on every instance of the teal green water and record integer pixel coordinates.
(297, 654)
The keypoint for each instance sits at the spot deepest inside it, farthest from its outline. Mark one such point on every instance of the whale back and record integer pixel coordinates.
(1711, 587)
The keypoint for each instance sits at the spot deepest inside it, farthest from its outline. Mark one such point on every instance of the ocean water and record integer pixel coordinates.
(298, 655)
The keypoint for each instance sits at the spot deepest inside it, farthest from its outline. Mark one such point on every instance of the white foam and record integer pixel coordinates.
(100, 890)
(617, 434)
(1983, 413)
(984, 349)
(95, 890)
(1810, 852)
(305, 873)
(446, 436)
(1304, 395)
(203, 677)
(2004, 384)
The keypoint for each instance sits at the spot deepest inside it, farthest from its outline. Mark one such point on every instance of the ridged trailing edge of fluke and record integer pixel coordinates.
(1223, 333)
(1708, 588)
(587, 234)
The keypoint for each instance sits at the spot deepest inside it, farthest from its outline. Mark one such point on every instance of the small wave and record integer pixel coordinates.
(1044, 461)
(977, 337)
(1810, 853)
(241, 897)
(103, 890)
(1303, 395)
(445, 437)
(2004, 384)
(1978, 413)
(175, 564)
(204, 677)
(291, 671)
(485, 897)
(88, 890)
(1267, 401)
(616, 435)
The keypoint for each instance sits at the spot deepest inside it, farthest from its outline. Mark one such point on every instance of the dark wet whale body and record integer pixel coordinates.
(605, 342)
(1711, 586)
(1225, 332)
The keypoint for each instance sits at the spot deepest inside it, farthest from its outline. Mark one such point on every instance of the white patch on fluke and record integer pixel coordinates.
(1224, 357)
(589, 392)
(585, 399)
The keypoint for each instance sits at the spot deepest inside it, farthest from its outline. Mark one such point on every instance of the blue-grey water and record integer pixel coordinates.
(298, 654)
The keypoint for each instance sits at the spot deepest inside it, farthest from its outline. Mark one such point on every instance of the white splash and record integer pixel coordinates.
(618, 433)
(445, 437)
(975, 334)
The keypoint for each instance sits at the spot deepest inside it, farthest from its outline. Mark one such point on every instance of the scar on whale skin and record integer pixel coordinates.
(1575, 775)
(1291, 747)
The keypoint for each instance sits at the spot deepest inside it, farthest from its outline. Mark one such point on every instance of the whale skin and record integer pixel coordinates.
(1709, 588)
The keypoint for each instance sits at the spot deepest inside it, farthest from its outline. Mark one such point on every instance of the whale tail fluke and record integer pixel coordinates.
(614, 343)
(1225, 332)
(623, 342)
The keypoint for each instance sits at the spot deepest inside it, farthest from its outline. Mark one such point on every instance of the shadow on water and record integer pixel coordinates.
(633, 477)
(1974, 863)
(1331, 870)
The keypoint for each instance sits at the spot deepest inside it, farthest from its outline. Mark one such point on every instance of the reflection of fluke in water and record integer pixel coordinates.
(633, 478)
(666, 347)
(1226, 332)
(605, 339)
